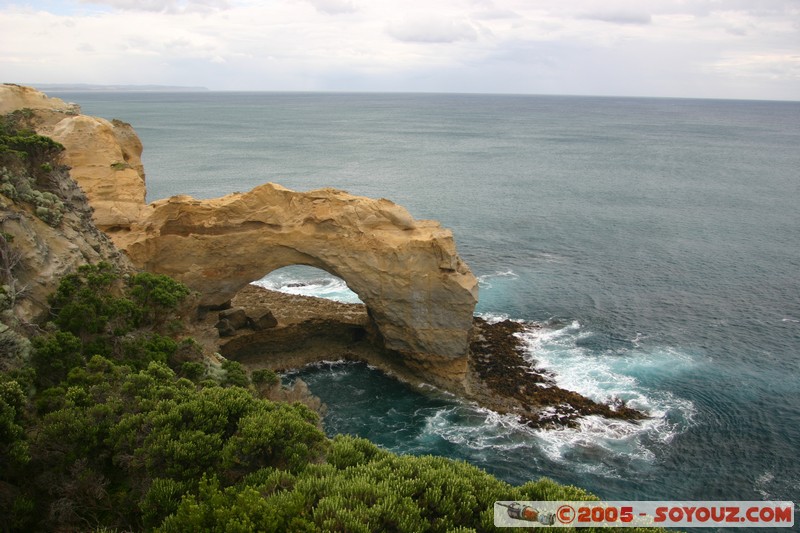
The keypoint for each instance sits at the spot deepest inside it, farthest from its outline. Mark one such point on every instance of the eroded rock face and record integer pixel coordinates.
(419, 293)
(45, 253)
(104, 156)
(14, 97)
(105, 159)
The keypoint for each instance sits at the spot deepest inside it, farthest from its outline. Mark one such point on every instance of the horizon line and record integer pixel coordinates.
(178, 89)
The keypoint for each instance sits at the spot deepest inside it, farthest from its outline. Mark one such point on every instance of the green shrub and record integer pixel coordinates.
(140, 350)
(20, 146)
(16, 349)
(13, 444)
(54, 355)
(161, 499)
(234, 375)
(157, 295)
(264, 376)
(192, 370)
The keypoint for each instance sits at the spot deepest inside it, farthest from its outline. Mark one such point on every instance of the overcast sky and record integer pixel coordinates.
(691, 48)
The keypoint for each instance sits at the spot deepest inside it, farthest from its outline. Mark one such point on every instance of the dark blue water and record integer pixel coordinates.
(660, 240)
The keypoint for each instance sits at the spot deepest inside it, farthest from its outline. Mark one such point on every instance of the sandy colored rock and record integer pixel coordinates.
(104, 156)
(13, 97)
(263, 320)
(236, 316)
(105, 160)
(419, 292)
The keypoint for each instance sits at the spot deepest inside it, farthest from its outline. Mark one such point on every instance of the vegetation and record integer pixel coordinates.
(27, 161)
(116, 425)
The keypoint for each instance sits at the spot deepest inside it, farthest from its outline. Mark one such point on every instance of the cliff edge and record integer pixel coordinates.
(419, 293)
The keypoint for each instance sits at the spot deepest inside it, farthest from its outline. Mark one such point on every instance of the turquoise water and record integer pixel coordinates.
(659, 239)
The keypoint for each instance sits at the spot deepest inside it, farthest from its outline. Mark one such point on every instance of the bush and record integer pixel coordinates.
(157, 295)
(21, 147)
(87, 303)
(13, 445)
(264, 377)
(54, 355)
(20, 187)
(234, 375)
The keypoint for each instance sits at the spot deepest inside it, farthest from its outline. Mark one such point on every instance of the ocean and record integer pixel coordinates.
(658, 239)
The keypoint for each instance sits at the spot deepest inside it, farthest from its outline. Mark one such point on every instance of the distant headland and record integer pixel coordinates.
(90, 87)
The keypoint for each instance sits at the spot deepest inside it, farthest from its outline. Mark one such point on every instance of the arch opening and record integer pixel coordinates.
(304, 280)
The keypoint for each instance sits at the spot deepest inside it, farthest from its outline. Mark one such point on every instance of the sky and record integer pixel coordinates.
(747, 49)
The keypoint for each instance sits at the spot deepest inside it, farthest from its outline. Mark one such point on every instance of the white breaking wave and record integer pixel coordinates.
(609, 378)
(485, 281)
(762, 483)
(308, 281)
(597, 445)
(476, 428)
(494, 318)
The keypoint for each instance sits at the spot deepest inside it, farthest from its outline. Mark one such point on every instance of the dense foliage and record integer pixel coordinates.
(110, 429)
(19, 143)
(27, 161)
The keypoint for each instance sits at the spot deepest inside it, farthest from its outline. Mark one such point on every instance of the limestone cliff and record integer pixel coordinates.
(13, 97)
(419, 293)
(104, 156)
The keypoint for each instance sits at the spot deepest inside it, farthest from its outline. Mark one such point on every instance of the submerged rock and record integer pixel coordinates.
(501, 379)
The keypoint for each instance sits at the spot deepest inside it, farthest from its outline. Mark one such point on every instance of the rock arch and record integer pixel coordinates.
(420, 294)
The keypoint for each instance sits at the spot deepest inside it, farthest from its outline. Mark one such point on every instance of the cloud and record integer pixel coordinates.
(432, 30)
(619, 17)
(163, 6)
(771, 66)
(495, 14)
(735, 48)
(334, 7)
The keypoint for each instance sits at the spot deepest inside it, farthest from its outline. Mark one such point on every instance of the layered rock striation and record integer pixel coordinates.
(418, 291)
(104, 156)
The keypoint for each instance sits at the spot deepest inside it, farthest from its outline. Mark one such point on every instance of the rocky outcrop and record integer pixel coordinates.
(419, 293)
(104, 156)
(44, 253)
(313, 330)
(14, 97)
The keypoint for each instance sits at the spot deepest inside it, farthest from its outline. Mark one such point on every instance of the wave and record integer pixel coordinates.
(630, 373)
(610, 377)
(485, 280)
(475, 427)
(597, 445)
(308, 281)
(494, 318)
